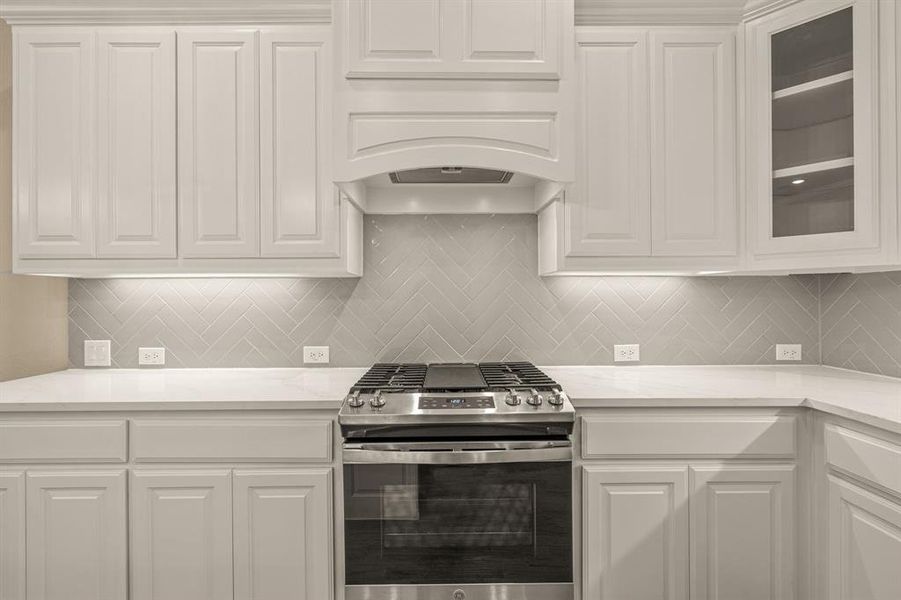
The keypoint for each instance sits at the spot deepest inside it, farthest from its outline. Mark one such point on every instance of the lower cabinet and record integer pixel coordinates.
(635, 533)
(76, 535)
(864, 544)
(675, 532)
(12, 535)
(218, 534)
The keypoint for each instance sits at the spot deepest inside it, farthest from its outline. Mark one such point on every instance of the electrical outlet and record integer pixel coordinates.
(626, 353)
(315, 354)
(151, 356)
(788, 351)
(96, 353)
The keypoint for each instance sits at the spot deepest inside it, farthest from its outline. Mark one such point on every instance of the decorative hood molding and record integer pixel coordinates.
(672, 12)
(164, 12)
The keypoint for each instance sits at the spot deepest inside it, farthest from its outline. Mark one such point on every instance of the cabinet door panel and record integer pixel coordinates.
(181, 535)
(76, 536)
(217, 144)
(864, 544)
(298, 204)
(12, 535)
(283, 534)
(608, 209)
(136, 144)
(693, 141)
(635, 528)
(53, 108)
(743, 532)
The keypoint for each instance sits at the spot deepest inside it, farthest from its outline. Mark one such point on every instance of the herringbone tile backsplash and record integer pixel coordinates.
(447, 288)
(861, 322)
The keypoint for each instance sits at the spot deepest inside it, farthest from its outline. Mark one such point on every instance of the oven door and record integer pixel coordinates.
(468, 520)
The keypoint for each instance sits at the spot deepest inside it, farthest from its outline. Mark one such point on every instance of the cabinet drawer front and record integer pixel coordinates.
(867, 457)
(696, 435)
(63, 441)
(264, 440)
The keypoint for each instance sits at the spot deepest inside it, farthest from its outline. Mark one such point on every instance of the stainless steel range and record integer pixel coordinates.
(457, 484)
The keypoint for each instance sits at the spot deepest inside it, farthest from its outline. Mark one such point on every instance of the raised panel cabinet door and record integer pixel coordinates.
(12, 535)
(693, 161)
(743, 531)
(54, 126)
(298, 204)
(181, 535)
(607, 210)
(635, 533)
(218, 158)
(283, 534)
(76, 535)
(864, 544)
(136, 144)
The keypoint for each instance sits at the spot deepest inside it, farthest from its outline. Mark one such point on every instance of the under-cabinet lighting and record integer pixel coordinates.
(798, 181)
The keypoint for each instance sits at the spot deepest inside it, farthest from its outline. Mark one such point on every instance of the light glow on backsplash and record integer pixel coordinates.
(446, 288)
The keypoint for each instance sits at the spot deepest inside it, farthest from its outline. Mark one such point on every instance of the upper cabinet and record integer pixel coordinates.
(495, 39)
(656, 154)
(101, 190)
(814, 197)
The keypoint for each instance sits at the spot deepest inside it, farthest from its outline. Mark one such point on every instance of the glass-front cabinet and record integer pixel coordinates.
(812, 134)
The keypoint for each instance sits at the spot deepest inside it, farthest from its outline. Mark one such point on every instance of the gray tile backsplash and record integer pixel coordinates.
(449, 288)
(861, 322)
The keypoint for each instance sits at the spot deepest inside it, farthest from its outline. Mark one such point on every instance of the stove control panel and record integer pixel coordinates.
(450, 402)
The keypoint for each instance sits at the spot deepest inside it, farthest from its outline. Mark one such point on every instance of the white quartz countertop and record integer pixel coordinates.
(871, 399)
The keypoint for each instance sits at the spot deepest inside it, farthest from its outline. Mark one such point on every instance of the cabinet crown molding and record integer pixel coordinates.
(164, 12)
(672, 12)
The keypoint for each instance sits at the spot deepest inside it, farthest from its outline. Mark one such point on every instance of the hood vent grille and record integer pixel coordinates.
(451, 175)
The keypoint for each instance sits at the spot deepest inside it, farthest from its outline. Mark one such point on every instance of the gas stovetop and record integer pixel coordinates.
(394, 394)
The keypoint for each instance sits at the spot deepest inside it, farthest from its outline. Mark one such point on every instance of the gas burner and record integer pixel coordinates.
(394, 377)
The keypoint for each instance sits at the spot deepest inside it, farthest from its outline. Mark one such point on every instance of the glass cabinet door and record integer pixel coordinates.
(812, 83)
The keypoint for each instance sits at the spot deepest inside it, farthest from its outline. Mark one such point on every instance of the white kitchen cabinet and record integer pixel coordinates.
(864, 544)
(76, 535)
(218, 158)
(635, 533)
(813, 136)
(136, 193)
(282, 537)
(54, 133)
(743, 531)
(497, 39)
(181, 535)
(298, 202)
(12, 535)
(655, 185)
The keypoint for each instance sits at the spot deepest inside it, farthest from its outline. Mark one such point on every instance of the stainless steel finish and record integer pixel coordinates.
(457, 453)
(377, 400)
(402, 408)
(534, 398)
(512, 399)
(556, 398)
(354, 400)
(486, 591)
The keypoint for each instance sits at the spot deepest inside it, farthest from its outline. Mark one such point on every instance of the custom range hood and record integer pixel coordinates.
(438, 109)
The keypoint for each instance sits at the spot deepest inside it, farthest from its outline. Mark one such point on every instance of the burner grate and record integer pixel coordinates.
(515, 375)
(392, 376)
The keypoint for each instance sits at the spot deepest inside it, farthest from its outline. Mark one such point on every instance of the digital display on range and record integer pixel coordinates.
(435, 402)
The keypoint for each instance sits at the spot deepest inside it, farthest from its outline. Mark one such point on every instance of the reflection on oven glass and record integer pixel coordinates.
(487, 516)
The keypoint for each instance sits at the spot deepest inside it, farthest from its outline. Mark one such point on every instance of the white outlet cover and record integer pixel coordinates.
(96, 353)
(151, 356)
(788, 351)
(626, 353)
(315, 354)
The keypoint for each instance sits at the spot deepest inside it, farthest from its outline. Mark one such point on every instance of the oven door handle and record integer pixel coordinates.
(432, 453)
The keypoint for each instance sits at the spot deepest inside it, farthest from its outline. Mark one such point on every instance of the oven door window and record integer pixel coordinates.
(442, 524)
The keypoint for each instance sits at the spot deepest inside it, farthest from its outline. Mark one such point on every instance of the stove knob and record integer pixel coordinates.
(534, 399)
(377, 401)
(354, 400)
(512, 399)
(555, 399)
